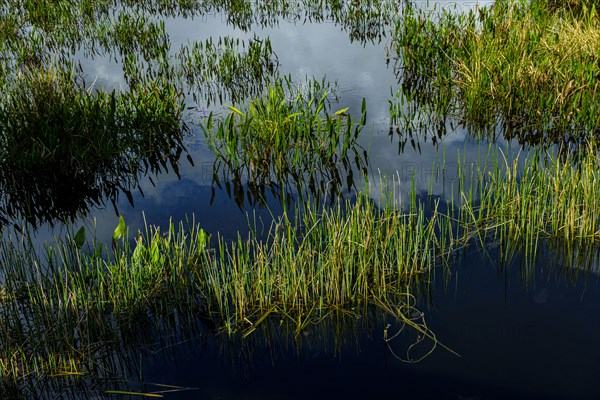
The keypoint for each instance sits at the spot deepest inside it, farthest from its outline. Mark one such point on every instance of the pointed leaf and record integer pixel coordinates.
(342, 111)
(129, 196)
(79, 238)
(120, 229)
(235, 110)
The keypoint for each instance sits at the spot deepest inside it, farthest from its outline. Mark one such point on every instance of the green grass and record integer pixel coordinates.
(226, 69)
(73, 300)
(555, 195)
(69, 310)
(288, 139)
(65, 149)
(520, 66)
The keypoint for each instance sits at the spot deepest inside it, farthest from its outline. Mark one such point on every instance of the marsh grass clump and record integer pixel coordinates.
(545, 195)
(62, 309)
(286, 132)
(335, 259)
(517, 65)
(65, 148)
(572, 7)
(77, 300)
(65, 311)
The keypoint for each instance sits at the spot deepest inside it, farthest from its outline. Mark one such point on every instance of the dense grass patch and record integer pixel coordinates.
(555, 194)
(289, 138)
(523, 66)
(76, 299)
(65, 148)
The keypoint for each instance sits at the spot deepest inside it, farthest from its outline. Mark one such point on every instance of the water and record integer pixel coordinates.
(520, 331)
(526, 339)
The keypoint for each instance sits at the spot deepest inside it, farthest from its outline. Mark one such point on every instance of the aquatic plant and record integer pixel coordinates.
(64, 149)
(226, 69)
(68, 145)
(61, 309)
(519, 66)
(548, 195)
(288, 135)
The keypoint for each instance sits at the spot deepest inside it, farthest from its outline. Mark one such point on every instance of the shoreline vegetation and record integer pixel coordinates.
(63, 311)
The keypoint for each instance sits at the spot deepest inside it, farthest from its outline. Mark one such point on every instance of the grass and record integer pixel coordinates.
(71, 309)
(226, 69)
(522, 66)
(59, 309)
(289, 135)
(67, 145)
(65, 149)
(554, 196)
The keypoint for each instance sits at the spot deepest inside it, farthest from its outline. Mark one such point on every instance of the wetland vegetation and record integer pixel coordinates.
(74, 314)
(527, 70)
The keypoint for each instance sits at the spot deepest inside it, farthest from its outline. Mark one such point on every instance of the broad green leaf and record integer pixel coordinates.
(120, 229)
(140, 250)
(79, 238)
(154, 252)
(202, 239)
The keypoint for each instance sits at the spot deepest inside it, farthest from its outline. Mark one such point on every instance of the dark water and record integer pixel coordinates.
(521, 331)
(534, 338)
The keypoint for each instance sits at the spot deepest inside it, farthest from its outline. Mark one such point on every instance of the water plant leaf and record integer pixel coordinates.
(155, 253)
(79, 238)
(235, 110)
(98, 250)
(201, 239)
(292, 116)
(342, 111)
(140, 250)
(120, 229)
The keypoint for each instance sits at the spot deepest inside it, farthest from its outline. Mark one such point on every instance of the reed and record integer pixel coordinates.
(77, 300)
(60, 308)
(554, 194)
(520, 66)
(340, 258)
(288, 131)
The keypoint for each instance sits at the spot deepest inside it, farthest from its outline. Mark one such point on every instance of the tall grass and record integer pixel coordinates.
(519, 65)
(64, 149)
(58, 309)
(225, 69)
(289, 135)
(338, 259)
(554, 195)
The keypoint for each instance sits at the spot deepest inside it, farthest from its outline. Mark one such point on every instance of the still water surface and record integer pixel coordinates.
(525, 340)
